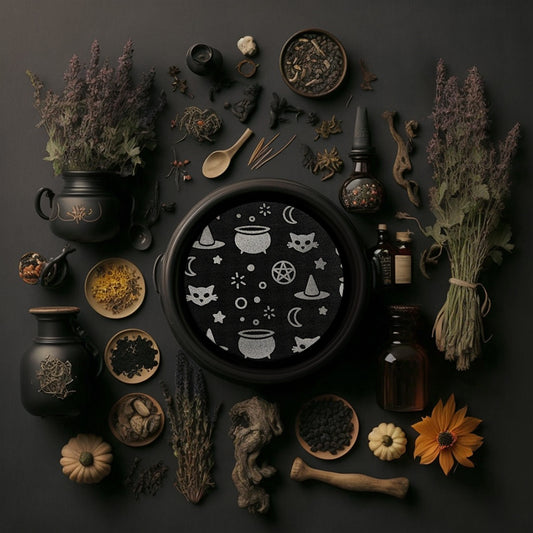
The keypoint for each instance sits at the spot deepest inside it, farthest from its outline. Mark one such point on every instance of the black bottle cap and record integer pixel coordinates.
(361, 143)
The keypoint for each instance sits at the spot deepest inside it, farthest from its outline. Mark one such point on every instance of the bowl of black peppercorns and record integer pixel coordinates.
(327, 427)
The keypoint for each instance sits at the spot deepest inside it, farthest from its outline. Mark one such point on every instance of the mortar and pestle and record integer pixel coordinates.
(396, 487)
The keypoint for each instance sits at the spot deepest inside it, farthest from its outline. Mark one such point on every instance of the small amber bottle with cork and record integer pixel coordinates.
(403, 259)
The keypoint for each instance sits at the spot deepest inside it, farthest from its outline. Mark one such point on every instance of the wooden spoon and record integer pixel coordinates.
(396, 487)
(216, 163)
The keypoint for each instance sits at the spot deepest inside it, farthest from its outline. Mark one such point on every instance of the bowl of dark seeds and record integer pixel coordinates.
(132, 356)
(327, 426)
(313, 63)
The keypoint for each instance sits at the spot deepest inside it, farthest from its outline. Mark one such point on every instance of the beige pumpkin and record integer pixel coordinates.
(86, 458)
(387, 441)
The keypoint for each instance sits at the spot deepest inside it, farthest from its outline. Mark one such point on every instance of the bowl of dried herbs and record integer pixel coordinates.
(115, 288)
(313, 63)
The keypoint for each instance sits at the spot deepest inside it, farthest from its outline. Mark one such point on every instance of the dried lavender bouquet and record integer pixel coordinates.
(191, 428)
(103, 119)
(468, 199)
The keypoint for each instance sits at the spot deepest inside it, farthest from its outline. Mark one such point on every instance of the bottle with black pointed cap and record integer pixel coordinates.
(361, 192)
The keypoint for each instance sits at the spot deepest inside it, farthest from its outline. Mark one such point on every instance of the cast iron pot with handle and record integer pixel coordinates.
(263, 281)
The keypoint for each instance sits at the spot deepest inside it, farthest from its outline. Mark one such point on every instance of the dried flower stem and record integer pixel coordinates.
(191, 431)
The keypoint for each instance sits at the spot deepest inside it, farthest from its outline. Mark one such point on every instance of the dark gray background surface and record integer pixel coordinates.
(401, 42)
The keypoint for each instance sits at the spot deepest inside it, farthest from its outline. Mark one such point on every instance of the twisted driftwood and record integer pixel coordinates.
(253, 424)
(402, 162)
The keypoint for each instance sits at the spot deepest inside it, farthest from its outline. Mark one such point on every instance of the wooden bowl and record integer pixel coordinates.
(313, 63)
(102, 269)
(142, 373)
(326, 454)
(118, 413)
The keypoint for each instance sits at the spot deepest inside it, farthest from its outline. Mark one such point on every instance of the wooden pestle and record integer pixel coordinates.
(396, 487)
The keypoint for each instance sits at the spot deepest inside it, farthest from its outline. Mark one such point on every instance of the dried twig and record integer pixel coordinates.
(402, 162)
(259, 163)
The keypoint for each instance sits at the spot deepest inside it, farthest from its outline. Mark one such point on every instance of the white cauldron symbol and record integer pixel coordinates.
(256, 343)
(252, 239)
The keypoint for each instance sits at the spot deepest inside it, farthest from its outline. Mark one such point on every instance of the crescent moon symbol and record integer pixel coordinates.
(189, 271)
(288, 215)
(292, 317)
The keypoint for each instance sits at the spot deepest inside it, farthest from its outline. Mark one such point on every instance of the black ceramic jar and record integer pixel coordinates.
(57, 372)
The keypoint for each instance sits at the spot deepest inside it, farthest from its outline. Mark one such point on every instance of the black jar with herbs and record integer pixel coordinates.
(57, 372)
(403, 365)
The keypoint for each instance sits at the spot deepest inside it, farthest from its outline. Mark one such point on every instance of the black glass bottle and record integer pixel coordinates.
(382, 259)
(403, 365)
(361, 192)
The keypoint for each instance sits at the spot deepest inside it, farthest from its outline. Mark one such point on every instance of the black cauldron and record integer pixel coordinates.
(263, 281)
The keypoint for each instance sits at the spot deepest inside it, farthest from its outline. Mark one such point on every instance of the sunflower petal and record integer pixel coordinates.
(467, 425)
(446, 460)
(457, 418)
(471, 440)
(426, 427)
(461, 454)
(429, 456)
(448, 413)
(426, 448)
(437, 415)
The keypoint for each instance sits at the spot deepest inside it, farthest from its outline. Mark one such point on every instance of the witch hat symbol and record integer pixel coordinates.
(211, 337)
(311, 291)
(207, 241)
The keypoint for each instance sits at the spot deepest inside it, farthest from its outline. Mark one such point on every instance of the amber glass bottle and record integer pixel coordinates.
(403, 259)
(403, 365)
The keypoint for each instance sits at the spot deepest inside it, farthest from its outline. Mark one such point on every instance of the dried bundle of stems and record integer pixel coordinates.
(191, 430)
(468, 199)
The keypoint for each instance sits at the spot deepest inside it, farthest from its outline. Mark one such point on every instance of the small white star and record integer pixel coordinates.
(320, 264)
(219, 317)
(323, 310)
(217, 260)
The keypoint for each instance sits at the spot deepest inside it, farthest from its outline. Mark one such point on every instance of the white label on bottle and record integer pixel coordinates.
(402, 269)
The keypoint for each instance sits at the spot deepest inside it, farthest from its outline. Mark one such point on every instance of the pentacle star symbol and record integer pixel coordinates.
(219, 317)
(283, 272)
(217, 260)
(323, 310)
(320, 264)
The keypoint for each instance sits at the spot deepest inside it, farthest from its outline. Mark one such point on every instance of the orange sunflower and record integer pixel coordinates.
(447, 434)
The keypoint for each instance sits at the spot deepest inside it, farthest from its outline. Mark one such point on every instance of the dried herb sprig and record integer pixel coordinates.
(145, 481)
(468, 199)
(191, 428)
